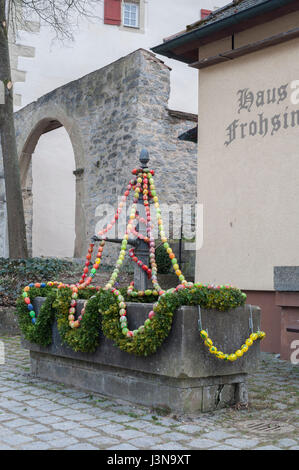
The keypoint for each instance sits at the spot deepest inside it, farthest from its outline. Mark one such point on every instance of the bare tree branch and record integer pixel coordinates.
(60, 15)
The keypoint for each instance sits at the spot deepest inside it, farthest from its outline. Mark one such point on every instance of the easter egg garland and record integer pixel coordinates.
(106, 307)
(232, 356)
(85, 338)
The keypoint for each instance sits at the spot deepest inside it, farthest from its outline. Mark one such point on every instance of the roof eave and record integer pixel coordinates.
(166, 49)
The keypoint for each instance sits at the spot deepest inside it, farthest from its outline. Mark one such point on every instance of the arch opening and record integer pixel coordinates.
(52, 192)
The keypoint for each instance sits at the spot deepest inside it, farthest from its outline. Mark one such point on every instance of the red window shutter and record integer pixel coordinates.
(204, 13)
(112, 12)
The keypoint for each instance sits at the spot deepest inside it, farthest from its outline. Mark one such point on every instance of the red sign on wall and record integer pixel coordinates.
(112, 12)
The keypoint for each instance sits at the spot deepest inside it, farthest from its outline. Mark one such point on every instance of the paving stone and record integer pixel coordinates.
(81, 417)
(268, 448)
(15, 439)
(95, 423)
(177, 436)
(112, 429)
(31, 413)
(123, 447)
(203, 444)
(280, 406)
(128, 434)
(40, 445)
(83, 433)
(63, 442)
(7, 417)
(225, 447)
(50, 407)
(33, 429)
(169, 446)
(242, 443)
(122, 419)
(65, 425)
(217, 435)
(151, 428)
(190, 429)
(49, 419)
(5, 447)
(145, 442)
(51, 435)
(9, 404)
(82, 446)
(287, 443)
(40, 392)
(103, 441)
(15, 423)
(79, 406)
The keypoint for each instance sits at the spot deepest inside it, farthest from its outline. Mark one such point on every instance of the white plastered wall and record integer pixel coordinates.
(250, 187)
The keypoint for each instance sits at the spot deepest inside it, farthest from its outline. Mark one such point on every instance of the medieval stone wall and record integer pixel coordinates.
(110, 115)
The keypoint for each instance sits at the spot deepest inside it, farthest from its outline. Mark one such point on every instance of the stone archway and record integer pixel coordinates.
(42, 126)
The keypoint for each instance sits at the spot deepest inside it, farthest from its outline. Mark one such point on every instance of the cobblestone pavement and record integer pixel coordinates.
(35, 414)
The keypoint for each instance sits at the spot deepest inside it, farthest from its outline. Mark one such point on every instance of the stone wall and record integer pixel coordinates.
(110, 115)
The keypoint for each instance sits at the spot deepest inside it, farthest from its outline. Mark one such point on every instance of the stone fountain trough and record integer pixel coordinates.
(182, 375)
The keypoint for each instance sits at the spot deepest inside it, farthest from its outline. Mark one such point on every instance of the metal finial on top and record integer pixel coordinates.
(144, 158)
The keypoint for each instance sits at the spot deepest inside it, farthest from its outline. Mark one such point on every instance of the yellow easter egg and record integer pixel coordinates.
(239, 353)
(249, 342)
(232, 357)
(213, 350)
(204, 334)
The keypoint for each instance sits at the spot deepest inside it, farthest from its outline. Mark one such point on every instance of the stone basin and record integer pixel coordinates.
(182, 375)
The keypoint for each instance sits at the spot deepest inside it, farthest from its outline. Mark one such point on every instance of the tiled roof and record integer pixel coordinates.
(227, 11)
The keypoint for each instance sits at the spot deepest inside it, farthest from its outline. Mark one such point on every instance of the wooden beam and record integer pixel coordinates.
(248, 49)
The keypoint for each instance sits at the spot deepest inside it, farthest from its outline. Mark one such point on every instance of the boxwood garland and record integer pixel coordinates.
(41, 332)
(101, 311)
(85, 338)
(151, 336)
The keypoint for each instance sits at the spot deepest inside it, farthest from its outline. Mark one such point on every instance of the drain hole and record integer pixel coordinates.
(266, 427)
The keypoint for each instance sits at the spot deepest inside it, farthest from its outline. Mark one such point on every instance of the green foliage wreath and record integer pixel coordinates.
(102, 311)
(150, 337)
(85, 338)
(41, 332)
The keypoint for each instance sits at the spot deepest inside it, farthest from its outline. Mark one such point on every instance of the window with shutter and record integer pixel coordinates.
(112, 12)
(131, 14)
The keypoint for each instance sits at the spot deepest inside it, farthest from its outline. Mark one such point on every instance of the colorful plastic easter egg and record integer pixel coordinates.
(204, 334)
(232, 357)
(208, 342)
(213, 350)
